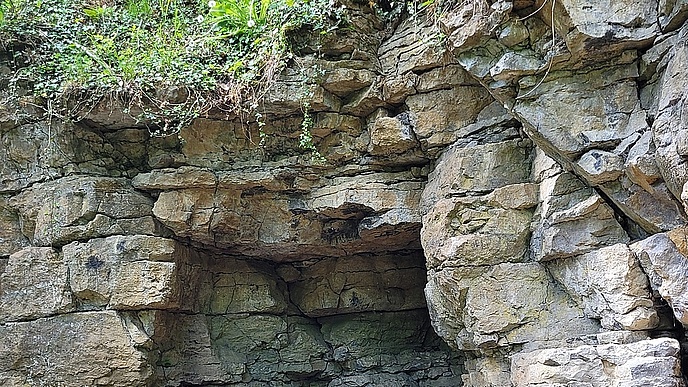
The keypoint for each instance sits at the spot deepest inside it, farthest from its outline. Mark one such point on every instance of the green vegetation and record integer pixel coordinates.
(172, 59)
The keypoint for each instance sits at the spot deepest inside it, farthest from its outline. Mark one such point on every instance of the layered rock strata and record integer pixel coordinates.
(508, 209)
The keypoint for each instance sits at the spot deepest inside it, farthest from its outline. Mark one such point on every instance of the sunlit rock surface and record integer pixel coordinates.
(507, 208)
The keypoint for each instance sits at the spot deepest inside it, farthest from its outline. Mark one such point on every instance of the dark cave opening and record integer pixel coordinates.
(328, 321)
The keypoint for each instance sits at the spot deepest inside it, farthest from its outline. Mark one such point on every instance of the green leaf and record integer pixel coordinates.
(93, 13)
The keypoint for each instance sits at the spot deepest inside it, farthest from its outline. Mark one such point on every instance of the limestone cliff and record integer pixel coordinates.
(506, 208)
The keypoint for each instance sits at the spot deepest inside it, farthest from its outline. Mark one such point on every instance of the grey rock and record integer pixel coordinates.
(11, 237)
(446, 109)
(599, 106)
(572, 219)
(285, 271)
(183, 177)
(631, 24)
(342, 81)
(395, 90)
(641, 167)
(672, 107)
(665, 213)
(351, 285)
(609, 285)
(513, 65)
(465, 316)
(600, 167)
(470, 24)
(246, 290)
(513, 33)
(478, 169)
(662, 257)
(643, 363)
(672, 14)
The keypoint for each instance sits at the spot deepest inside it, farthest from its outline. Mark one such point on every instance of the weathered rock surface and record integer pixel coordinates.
(664, 261)
(618, 295)
(484, 308)
(85, 349)
(643, 363)
(573, 219)
(508, 209)
(11, 237)
(79, 208)
(119, 272)
(34, 283)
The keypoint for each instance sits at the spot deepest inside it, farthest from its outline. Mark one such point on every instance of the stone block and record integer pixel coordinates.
(245, 290)
(468, 231)
(600, 166)
(11, 237)
(125, 272)
(477, 169)
(443, 110)
(76, 349)
(572, 220)
(390, 135)
(78, 208)
(650, 363)
(608, 284)
(355, 284)
(34, 284)
(667, 267)
(481, 308)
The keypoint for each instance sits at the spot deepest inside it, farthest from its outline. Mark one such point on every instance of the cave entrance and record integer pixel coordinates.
(328, 321)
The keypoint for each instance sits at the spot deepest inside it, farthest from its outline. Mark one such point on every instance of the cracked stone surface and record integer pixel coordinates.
(506, 209)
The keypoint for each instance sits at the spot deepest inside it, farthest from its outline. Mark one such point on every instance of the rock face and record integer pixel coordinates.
(506, 209)
(643, 363)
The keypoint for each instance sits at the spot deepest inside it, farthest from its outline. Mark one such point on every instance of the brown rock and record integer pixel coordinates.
(34, 284)
(342, 81)
(85, 349)
(389, 135)
(73, 208)
(125, 272)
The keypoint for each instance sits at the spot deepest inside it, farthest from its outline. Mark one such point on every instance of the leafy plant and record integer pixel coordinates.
(139, 8)
(172, 59)
(240, 17)
(7, 7)
(306, 137)
(98, 12)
